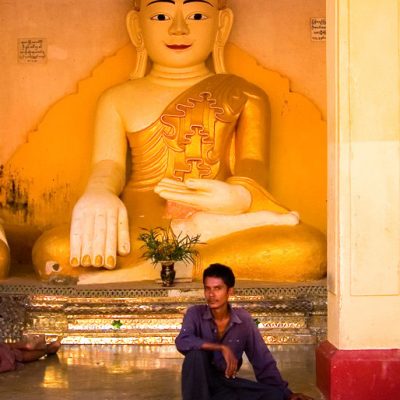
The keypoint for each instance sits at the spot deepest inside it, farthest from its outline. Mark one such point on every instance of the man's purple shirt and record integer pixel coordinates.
(242, 335)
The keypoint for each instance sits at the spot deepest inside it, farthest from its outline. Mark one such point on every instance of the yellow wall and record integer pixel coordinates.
(79, 35)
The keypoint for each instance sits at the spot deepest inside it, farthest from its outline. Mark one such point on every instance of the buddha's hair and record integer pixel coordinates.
(221, 4)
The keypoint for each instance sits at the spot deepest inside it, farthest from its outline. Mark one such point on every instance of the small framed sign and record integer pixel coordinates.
(318, 29)
(32, 50)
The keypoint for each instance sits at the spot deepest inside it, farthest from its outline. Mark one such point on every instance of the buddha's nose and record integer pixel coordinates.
(178, 25)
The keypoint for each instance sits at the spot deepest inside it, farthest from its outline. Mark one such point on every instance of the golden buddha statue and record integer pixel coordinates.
(4, 254)
(198, 141)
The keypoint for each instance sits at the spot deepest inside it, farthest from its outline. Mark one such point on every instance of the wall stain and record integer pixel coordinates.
(14, 197)
(21, 204)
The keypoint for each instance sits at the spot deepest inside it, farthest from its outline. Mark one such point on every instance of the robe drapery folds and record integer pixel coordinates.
(208, 132)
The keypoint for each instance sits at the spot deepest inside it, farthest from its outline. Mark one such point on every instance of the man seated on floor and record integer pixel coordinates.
(213, 338)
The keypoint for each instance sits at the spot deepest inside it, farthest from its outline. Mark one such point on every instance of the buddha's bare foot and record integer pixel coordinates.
(291, 218)
(211, 226)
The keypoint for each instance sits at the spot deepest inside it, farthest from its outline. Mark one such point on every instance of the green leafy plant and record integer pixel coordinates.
(162, 244)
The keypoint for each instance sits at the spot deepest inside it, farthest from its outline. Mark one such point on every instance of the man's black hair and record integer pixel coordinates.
(220, 271)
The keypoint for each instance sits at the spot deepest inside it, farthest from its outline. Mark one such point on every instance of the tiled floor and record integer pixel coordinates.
(132, 372)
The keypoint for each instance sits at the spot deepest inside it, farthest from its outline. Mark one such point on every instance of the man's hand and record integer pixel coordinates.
(300, 396)
(230, 359)
(231, 362)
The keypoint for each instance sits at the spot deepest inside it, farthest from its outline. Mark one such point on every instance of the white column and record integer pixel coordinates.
(364, 173)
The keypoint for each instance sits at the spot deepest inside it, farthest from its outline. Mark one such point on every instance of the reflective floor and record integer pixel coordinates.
(122, 372)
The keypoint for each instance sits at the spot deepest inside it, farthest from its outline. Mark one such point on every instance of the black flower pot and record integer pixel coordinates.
(167, 273)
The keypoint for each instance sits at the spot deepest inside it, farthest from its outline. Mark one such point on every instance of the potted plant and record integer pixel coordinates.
(163, 246)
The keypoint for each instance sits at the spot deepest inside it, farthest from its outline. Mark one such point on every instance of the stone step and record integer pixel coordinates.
(285, 313)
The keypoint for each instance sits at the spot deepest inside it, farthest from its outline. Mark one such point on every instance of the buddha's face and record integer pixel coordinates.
(179, 33)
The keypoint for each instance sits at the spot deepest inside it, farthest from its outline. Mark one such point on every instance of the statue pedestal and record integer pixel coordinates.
(146, 313)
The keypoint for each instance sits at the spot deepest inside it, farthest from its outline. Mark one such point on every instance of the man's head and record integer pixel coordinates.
(220, 271)
(218, 281)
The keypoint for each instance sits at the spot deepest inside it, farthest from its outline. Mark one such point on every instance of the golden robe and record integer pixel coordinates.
(218, 129)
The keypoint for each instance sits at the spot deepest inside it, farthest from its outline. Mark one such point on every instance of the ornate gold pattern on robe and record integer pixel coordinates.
(193, 138)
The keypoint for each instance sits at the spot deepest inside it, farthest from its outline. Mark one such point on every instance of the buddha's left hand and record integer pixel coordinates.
(206, 195)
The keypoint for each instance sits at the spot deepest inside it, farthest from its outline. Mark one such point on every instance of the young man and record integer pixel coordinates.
(213, 338)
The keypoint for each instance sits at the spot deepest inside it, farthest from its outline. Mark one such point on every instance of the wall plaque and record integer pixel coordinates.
(32, 50)
(318, 29)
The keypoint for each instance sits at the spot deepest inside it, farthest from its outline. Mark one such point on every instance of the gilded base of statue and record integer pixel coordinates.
(145, 313)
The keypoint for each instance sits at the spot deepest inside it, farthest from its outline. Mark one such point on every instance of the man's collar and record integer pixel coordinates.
(234, 315)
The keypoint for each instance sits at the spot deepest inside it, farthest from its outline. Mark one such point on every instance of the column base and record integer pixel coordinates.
(358, 374)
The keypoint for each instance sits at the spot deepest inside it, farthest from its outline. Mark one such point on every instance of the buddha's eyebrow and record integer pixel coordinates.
(185, 2)
(161, 1)
(197, 1)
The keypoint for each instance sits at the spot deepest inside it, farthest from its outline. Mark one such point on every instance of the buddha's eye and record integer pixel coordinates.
(197, 16)
(160, 17)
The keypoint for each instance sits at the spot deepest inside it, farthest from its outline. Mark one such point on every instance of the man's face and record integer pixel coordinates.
(216, 292)
(179, 33)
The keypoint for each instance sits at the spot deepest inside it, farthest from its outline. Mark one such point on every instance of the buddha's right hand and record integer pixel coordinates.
(99, 230)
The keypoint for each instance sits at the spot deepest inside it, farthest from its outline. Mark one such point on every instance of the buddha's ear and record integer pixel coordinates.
(135, 34)
(225, 25)
(224, 29)
(134, 31)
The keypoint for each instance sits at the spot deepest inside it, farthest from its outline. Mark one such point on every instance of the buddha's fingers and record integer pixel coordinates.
(172, 183)
(166, 186)
(99, 238)
(111, 240)
(124, 244)
(206, 185)
(189, 198)
(87, 239)
(160, 189)
(75, 240)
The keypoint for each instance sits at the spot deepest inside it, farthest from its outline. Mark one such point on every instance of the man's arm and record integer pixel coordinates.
(189, 336)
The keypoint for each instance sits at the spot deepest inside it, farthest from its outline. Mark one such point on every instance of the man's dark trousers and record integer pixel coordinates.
(202, 381)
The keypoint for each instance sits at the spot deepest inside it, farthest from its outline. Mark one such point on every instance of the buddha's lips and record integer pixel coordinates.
(178, 46)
